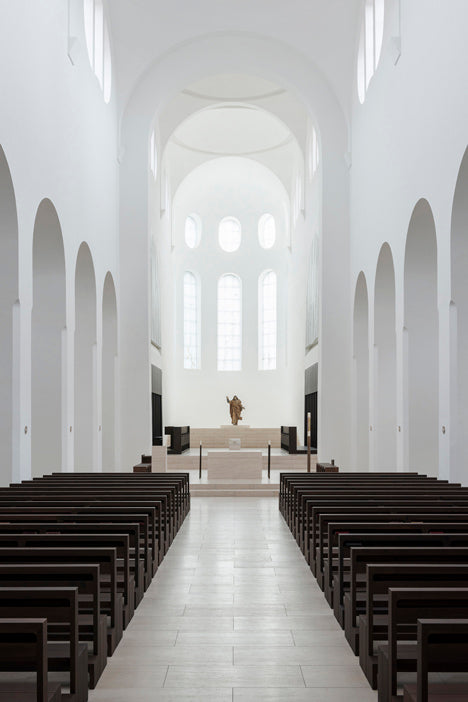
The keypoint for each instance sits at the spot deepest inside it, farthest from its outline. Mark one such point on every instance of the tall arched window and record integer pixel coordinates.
(314, 153)
(267, 321)
(267, 231)
(229, 234)
(191, 321)
(192, 231)
(153, 155)
(98, 44)
(229, 323)
(370, 45)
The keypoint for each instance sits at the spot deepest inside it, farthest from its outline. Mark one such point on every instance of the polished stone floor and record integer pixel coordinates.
(233, 614)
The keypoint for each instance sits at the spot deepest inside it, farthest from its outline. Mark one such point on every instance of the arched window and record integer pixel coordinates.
(314, 153)
(153, 155)
(312, 310)
(267, 231)
(192, 231)
(267, 321)
(229, 234)
(191, 321)
(229, 323)
(370, 45)
(98, 44)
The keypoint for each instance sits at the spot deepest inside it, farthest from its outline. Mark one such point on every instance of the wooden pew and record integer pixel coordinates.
(355, 600)
(89, 519)
(26, 639)
(92, 627)
(442, 643)
(386, 534)
(88, 506)
(374, 620)
(57, 606)
(124, 537)
(405, 607)
(119, 543)
(376, 507)
(107, 560)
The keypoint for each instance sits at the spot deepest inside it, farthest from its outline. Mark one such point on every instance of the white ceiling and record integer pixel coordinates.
(322, 30)
(232, 130)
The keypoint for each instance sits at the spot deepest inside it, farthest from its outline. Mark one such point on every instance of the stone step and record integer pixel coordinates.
(234, 485)
(233, 492)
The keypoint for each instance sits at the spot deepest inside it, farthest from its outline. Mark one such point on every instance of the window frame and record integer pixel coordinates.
(267, 361)
(235, 350)
(193, 349)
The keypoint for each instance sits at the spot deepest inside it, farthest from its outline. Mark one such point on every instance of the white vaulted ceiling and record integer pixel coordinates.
(324, 31)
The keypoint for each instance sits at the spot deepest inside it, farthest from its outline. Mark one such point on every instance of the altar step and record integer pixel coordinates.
(234, 489)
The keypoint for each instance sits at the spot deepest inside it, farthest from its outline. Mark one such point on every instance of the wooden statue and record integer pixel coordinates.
(235, 408)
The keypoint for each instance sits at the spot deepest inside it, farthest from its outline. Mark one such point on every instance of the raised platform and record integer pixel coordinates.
(218, 437)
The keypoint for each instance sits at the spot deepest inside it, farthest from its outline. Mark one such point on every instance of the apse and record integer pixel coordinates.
(9, 314)
(385, 363)
(47, 348)
(361, 375)
(85, 362)
(422, 349)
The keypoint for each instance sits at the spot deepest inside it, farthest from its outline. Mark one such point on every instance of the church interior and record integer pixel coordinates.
(234, 351)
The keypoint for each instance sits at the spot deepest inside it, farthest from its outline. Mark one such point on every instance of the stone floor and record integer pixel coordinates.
(233, 614)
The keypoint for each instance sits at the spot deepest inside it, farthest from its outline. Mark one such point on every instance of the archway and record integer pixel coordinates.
(459, 384)
(361, 374)
(385, 363)
(85, 361)
(8, 298)
(109, 361)
(422, 324)
(47, 324)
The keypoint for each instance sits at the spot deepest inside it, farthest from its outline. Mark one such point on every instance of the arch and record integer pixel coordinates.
(459, 340)
(48, 321)
(85, 361)
(422, 325)
(361, 373)
(8, 299)
(109, 373)
(385, 362)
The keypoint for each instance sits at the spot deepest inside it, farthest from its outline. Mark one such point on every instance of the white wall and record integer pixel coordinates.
(408, 139)
(60, 142)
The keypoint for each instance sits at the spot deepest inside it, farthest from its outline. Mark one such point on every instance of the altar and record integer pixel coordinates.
(234, 465)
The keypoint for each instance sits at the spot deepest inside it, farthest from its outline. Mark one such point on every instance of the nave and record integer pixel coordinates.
(233, 613)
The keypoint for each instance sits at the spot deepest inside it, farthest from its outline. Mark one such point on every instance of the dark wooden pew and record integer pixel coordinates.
(92, 626)
(374, 620)
(120, 611)
(442, 643)
(355, 600)
(405, 607)
(377, 507)
(57, 606)
(88, 506)
(131, 567)
(381, 534)
(106, 558)
(26, 639)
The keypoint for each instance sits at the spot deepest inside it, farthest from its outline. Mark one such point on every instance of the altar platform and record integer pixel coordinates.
(281, 462)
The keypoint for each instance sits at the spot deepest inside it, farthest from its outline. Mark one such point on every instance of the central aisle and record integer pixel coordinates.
(233, 614)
